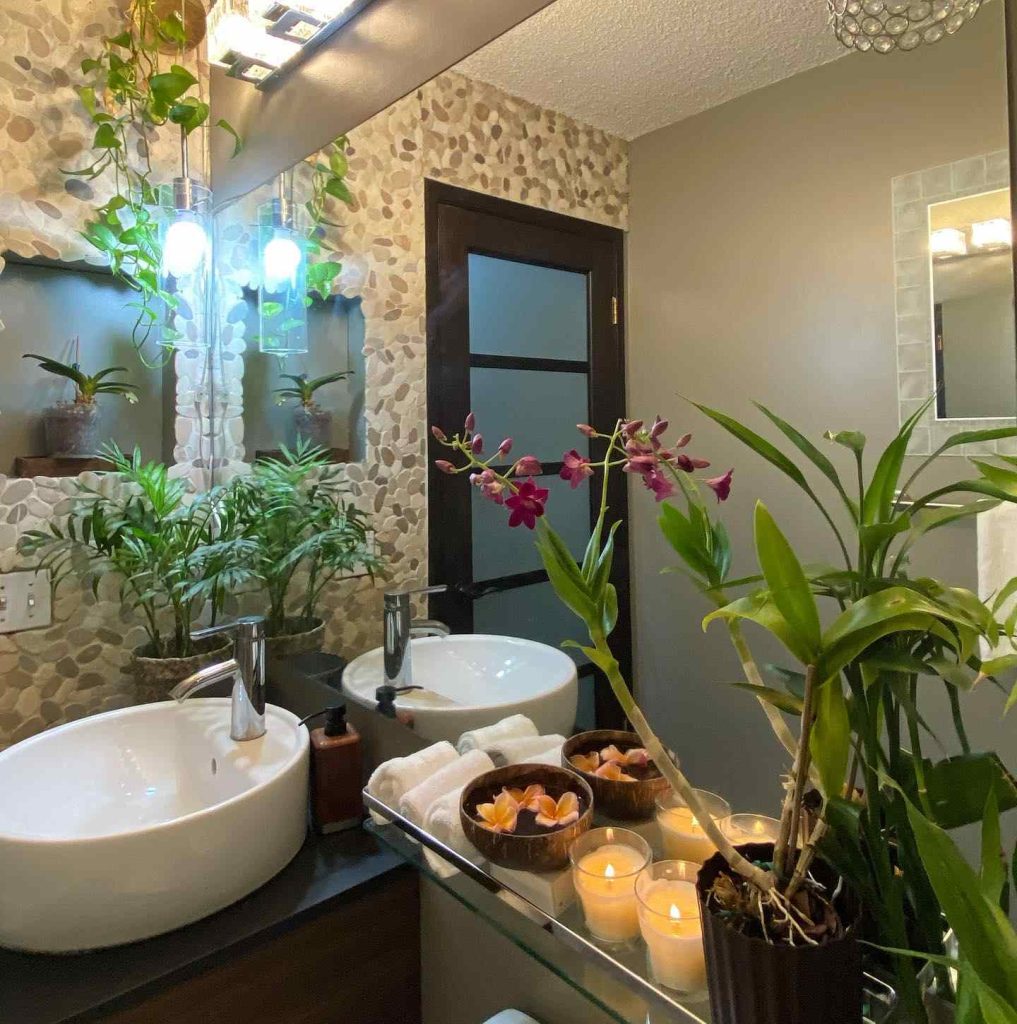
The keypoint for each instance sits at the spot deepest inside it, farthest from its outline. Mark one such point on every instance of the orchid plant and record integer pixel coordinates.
(857, 694)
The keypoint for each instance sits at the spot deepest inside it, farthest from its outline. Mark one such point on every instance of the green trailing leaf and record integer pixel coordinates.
(789, 589)
(238, 142)
(830, 742)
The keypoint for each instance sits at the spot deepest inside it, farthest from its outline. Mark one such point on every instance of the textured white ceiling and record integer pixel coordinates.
(630, 66)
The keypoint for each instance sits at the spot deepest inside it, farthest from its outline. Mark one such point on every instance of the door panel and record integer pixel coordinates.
(522, 331)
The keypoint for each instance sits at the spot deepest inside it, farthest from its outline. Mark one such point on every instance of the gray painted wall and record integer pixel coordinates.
(761, 267)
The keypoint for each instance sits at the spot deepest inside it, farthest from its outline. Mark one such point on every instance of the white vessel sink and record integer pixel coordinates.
(135, 822)
(472, 680)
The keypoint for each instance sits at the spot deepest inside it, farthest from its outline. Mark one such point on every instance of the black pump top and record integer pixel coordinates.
(335, 720)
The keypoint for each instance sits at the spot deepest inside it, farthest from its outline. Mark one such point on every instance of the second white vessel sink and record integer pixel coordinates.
(135, 822)
(472, 680)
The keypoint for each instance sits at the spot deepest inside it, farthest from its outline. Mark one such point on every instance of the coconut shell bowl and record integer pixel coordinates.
(526, 816)
(613, 763)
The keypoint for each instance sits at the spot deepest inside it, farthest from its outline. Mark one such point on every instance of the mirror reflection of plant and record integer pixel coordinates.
(169, 548)
(129, 94)
(88, 386)
(299, 531)
(888, 631)
(304, 388)
(328, 181)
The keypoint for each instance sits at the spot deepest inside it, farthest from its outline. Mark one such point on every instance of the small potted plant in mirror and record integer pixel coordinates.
(311, 423)
(297, 534)
(173, 553)
(72, 428)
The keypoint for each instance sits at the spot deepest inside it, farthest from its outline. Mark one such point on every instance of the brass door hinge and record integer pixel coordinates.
(614, 310)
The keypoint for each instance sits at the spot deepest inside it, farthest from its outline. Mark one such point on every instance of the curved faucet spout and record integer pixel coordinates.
(204, 678)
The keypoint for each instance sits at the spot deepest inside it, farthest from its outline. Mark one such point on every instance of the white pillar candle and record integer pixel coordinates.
(670, 924)
(750, 828)
(682, 834)
(605, 865)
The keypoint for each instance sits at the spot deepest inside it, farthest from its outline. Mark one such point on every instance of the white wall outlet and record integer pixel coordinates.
(25, 601)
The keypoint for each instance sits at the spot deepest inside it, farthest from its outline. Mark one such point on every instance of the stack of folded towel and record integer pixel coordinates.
(426, 787)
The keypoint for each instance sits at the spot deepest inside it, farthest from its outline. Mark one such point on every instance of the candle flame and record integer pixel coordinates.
(675, 913)
(609, 871)
(758, 828)
(695, 822)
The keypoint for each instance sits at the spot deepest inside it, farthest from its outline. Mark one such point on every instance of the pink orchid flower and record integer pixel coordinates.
(721, 485)
(575, 468)
(527, 504)
(658, 483)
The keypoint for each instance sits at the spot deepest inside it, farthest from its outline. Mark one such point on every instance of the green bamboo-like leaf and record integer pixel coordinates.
(686, 541)
(811, 452)
(835, 656)
(854, 440)
(564, 574)
(993, 866)
(778, 698)
(761, 609)
(830, 742)
(983, 932)
(959, 786)
(789, 588)
(882, 490)
(884, 605)
(1011, 701)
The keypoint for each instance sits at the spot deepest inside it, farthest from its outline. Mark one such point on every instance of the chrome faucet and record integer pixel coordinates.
(246, 668)
(400, 627)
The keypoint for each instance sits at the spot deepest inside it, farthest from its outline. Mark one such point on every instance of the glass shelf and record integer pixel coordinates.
(615, 979)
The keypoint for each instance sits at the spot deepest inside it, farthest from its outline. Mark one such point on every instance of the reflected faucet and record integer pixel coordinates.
(400, 627)
(246, 668)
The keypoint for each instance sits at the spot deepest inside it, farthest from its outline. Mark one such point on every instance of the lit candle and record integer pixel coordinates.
(750, 828)
(670, 924)
(682, 833)
(605, 865)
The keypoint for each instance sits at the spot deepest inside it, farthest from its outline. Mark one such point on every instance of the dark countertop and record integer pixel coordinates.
(40, 989)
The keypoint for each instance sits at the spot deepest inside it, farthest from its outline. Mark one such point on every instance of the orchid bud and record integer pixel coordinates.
(445, 467)
(684, 463)
(699, 463)
(471, 422)
(505, 447)
(586, 430)
(658, 428)
(528, 465)
(683, 440)
(477, 444)
(632, 427)
(438, 434)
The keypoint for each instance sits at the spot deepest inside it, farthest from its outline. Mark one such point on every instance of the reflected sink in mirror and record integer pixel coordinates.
(474, 680)
(134, 822)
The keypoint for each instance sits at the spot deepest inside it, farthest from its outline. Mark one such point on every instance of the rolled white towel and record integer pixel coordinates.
(550, 756)
(511, 728)
(444, 823)
(392, 779)
(414, 804)
(516, 750)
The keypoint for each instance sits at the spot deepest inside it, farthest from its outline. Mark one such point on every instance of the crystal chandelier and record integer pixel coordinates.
(885, 25)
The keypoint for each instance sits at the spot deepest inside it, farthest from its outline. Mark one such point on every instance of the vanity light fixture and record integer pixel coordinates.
(282, 293)
(992, 234)
(887, 25)
(256, 39)
(948, 242)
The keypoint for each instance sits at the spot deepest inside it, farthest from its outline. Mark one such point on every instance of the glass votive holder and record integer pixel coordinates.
(739, 829)
(669, 919)
(682, 835)
(605, 865)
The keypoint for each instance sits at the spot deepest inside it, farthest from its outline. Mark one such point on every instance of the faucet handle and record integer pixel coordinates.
(407, 592)
(251, 625)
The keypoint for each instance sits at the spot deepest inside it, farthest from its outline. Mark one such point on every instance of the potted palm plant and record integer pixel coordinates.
(171, 551)
(312, 425)
(72, 428)
(296, 534)
(769, 913)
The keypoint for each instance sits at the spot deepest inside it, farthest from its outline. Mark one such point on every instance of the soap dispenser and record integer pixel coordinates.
(336, 773)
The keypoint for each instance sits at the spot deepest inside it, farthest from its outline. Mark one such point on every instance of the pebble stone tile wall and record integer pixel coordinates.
(453, 129)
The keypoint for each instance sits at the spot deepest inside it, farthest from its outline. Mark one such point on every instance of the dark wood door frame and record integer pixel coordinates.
(459, 222)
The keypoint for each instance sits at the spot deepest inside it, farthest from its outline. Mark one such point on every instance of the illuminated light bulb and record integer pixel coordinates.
(184, 248)
(991, 234)
(280, 263)
(948, 242)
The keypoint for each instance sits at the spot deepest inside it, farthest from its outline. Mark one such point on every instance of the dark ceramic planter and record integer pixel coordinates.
(754, 982)
(299, 636)
(72, 431)
(155, 677)
(547, 851)
(623, 801)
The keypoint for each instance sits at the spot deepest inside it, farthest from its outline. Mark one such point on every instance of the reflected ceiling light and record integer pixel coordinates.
(992, 234)
(255, 39)
(886, 25)
(948, 242)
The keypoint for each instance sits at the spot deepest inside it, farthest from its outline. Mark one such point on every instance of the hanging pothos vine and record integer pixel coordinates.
(330, 167)
(128, 95)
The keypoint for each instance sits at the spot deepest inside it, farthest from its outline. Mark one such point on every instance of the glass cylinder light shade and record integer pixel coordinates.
(282, 294)
(185, 266)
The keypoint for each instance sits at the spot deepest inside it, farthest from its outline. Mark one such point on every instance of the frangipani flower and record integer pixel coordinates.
(612, 754)
(638, 757)
(586, 762)
(575, 468)
(527, 504)
(501, 816)
(612, 773)
(526, 799)
(557, 815)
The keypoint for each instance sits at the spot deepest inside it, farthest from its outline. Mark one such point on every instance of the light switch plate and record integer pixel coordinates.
(25, 601)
